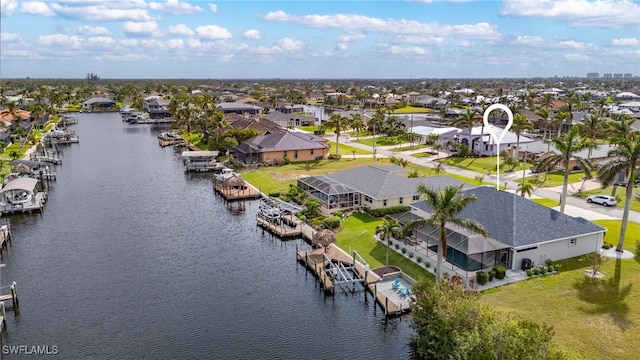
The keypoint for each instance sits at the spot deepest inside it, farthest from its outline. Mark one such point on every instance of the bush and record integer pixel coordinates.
(397, 246)
(536, 271)
(419, 259)
(404, 250)
(492, 274)
(501, 272)
(550, 268)
(332, 222)
(286, 160)
(482, 277)
(302, 217)
(338, 214)
(274, 194)
(386, 211)
(334, 157)
(529, 273)
(543, 270)
(427, 264)
(410, 255)
(557, 267)
(606, 246)
(638, 250)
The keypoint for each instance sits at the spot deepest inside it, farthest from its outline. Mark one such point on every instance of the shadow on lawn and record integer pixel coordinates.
(607, 296)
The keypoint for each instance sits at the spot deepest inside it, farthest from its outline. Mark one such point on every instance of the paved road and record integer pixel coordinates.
(508, 179)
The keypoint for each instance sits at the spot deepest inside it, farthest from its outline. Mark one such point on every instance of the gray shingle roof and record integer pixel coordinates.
(384, 182)
(517, 221)
(284, 141)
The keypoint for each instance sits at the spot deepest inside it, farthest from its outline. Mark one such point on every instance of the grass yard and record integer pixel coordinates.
(412, 110)
(357, 234)
(620, 193)
(592, 319)
(408, 146)
(346, 150)
(380, 141)
(554, 179)
(196, 139)
(277, 178)
(546, 202)
(422, 155)
(480, 165)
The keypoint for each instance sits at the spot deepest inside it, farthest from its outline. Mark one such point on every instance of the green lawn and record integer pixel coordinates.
(620, 194)
(592, 319)
(196, 139)
(412, 110)
(408, 146)
(555, 178)
(357, 234)
(346, 150)
(422, 155)
(380, 141)
(310, 128)
(546, 202)
(481, 165)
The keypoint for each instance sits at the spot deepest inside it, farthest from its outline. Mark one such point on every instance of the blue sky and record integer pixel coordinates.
(318, 39)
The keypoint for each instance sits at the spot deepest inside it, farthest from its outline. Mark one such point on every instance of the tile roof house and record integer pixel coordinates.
(520, 232)
(369, 186)
(272, 148)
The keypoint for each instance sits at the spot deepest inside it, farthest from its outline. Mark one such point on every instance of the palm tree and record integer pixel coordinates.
(446, 205)
(357, 124)
(590, 128)
(337, 123)
(525, 188)
(624, 158)
(568, 145)
(467, 121)
(520, 124)
(390, 228)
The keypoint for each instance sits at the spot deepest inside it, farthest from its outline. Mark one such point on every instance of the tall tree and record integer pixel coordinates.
(520, 124)
(590, 128)
(357, 124)
(389, 229)
(568, 145)
(337, 123)
(445, 206)
(470, 118)
(624, 158)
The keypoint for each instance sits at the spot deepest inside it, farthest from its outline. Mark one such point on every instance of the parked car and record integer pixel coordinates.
(604, 200)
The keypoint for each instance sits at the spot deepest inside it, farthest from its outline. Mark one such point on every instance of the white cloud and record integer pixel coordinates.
(354, 23)
(175, 7)
(128, 42)
(539, 42)
(140, 28)
(410, 50)
(212, 32)
(35, 8)
(61, 40)
(213, 8)
(115, 11)
(576, 57)
(91, 30)
(181, 29)
(7, 7)
(99, 41)
(194, 43)
(625, 42)
(289, 44)
(350, 37)
(342, 46)
(578, 13)
(10, 37)
(418, 40)
(18, 53)
(174, 44)
(251, 34)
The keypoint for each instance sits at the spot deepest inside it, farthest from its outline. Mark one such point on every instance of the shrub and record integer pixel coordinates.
(338, 214)
(482, 277)
(536, 271)
(274, 194)
(302, 217)
(492, 274)
(606, 246)
(638, 250)
(386, 211)
(410, 255)
(397, 246)
(557, 267)
(550, 268)
(543, 270)
(404, 250)
(334, 157)
(548, 262)
(501, 272)
(427, 264)
(331, 222)
(419, 259)
(286, 160)
(529, 273)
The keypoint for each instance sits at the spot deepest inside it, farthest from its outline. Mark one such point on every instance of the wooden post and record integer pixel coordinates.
(14, 295)
(4, 316)
(386, 306)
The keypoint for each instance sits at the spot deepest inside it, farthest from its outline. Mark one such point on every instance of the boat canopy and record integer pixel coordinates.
(27, 184)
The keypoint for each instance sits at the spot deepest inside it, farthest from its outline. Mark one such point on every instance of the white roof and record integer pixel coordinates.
(192, 154)
(27, 184)
(626, 94)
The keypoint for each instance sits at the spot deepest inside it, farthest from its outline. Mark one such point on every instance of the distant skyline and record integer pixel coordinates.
(306, 39)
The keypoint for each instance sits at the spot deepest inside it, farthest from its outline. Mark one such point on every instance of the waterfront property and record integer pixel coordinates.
(522, 233)
(99, 104)
(233, 187)
(20, 195)
(369, 186)
(275, 148)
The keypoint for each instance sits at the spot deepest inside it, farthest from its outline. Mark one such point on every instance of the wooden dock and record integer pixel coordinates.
(235, 191)
(36, 205)
(287, 226)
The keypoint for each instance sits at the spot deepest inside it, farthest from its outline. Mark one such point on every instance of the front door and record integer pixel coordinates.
(504, 258)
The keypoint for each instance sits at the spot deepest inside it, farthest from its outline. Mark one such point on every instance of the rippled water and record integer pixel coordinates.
(134, 259)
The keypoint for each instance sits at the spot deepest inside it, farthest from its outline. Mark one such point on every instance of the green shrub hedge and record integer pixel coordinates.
(386, 211)
(482, 277)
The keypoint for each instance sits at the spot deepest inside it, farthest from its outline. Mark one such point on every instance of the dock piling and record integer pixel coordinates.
(14, 296)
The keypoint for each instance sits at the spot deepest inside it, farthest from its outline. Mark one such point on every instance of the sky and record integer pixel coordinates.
(311, 39)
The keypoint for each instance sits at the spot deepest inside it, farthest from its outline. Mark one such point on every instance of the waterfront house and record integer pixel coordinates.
(274, 148)
(157, 108)
(99, 104)
(522, 233)
(480, 140)
(239, 108)
(369, 186)
(287, 120)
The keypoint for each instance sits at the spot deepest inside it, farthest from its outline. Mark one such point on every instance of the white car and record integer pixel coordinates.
(605, 200)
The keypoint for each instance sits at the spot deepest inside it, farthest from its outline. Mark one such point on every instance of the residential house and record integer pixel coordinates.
(157, 108)
(430, 102)
(369, 187)
(264, 125)
(273, 148)
(99, 104)
(480, 140)
(287, 120)
(521, 233)
(239, 108)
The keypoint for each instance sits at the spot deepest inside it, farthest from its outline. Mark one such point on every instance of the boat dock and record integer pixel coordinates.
(46, 156)
(278, 217)
(232, 187)
(61, 137)
(5, 235)
(333, 266)
(201, 161)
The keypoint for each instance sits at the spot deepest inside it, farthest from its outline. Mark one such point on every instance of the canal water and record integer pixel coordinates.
(134, 259)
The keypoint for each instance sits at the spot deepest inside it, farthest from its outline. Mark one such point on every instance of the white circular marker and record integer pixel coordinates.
(497, 138)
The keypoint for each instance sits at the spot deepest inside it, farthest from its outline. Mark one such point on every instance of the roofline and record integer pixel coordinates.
(564, 238)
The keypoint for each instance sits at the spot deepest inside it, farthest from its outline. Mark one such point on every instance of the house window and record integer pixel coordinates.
(572, 242)
(295, 154)
(311, 151)
(401, 199)
(384, 202)
(285, 153)
(416, 197)
(367, 199)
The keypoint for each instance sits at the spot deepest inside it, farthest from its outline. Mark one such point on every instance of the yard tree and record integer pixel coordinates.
(389, 229)
(452, 323)
(357, 124)
(467, 120)
(337, 123)
(525, 188)
(445, 206)
(520, 124)
(568, 145)
(625, 157)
